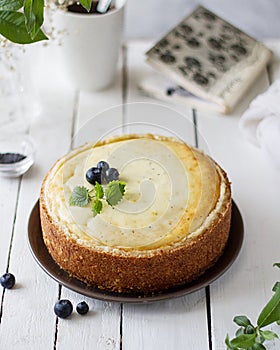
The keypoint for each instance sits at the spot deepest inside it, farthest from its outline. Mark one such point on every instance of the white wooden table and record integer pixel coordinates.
(197, 321)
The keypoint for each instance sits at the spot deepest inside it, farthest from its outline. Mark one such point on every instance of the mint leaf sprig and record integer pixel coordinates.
(249, 337)
(80, 196)
(97, 205)
(112, 194)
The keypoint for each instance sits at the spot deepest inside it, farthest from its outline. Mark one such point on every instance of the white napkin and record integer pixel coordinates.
(261, 123)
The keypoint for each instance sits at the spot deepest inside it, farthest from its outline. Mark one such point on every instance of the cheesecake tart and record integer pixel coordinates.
(171, 225)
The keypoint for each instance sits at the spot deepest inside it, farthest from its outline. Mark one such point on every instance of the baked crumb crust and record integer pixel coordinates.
(158, 270)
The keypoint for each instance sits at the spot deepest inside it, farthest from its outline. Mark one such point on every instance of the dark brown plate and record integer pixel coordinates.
(46, 262)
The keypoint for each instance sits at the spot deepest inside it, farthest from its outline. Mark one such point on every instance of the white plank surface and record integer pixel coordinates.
(246, 287)
(180, 323)
(8, 198)
(97, 115)
(176, 324)
(28, 321)
(98, 329)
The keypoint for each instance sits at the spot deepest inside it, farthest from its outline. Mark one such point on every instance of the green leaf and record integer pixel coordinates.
(239, 331)
(261, 339)
(250, 329)
(271, 311)
(122, 185)
(259, 346)
(275, 286)
(228, 344)
(96, 207)
(244, 341)
(34, 16)
(268, 335)
(242, 321)
(99, 192)
(86, 4)
(114, 192)
(12, 27)
(80, 196)
(8, 5)
(277, 265)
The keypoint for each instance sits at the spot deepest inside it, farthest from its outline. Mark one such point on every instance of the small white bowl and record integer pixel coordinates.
(20, 144)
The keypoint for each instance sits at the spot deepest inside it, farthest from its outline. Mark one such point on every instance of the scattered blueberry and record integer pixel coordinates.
(112, 174)
(93, 175)
(103, 165)
(63, 308)
(7, 280)
(82, 308)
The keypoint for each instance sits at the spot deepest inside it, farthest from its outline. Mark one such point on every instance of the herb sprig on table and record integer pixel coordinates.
(112, 194)
(249, 337)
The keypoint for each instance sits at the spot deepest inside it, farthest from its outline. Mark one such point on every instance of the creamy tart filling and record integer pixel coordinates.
(172, 190)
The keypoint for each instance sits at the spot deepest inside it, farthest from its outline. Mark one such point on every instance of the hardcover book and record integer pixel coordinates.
(209, 58)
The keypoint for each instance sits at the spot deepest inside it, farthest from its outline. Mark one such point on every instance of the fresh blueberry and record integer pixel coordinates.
(63, 308)
(7, 280)
(112, 174)
(103, 165)
(82, 308)
(93, 175)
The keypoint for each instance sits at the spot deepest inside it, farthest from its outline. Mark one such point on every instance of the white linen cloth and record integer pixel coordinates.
(260, 124)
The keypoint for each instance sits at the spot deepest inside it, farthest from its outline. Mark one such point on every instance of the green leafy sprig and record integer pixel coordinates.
(112, 194)
(249, 337)
(21, 20)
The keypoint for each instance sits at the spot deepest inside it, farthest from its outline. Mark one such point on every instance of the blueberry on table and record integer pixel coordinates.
(63, 308)
(7, 280)
(103, 165)
(93, 175)
(82, 308)
(111, 174)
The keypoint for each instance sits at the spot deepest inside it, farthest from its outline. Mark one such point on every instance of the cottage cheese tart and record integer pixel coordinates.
(170, 227)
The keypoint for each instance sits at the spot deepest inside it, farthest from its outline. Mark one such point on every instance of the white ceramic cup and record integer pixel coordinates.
(90, 46)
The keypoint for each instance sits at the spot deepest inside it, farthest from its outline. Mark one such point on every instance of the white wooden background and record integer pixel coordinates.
(146, 18)
(198, 321)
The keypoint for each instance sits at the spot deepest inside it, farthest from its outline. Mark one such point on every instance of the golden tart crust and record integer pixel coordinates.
(137, 269)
